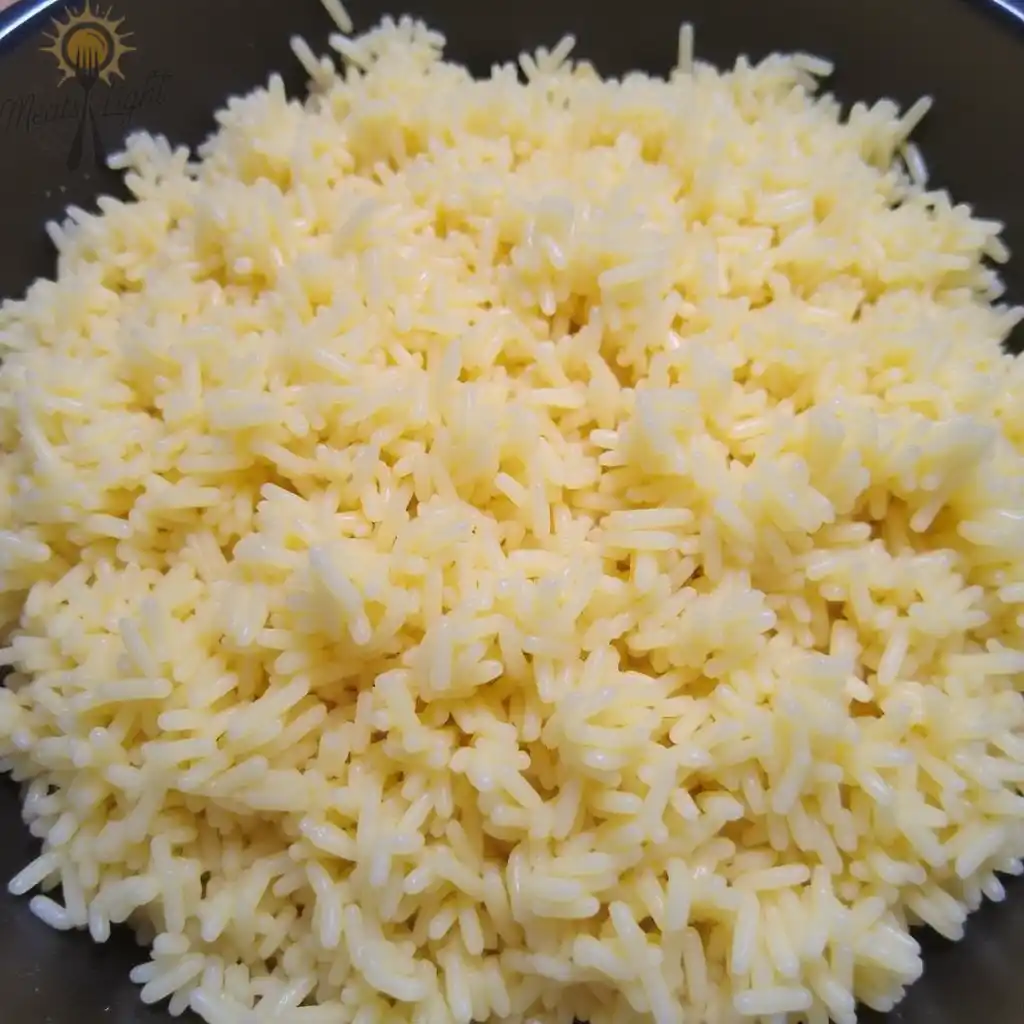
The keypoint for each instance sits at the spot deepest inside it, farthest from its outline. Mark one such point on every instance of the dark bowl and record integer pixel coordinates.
(189, 55)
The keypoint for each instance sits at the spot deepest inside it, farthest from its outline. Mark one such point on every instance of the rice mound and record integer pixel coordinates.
(480, 550)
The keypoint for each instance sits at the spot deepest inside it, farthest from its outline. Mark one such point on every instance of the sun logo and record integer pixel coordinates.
(88, 46)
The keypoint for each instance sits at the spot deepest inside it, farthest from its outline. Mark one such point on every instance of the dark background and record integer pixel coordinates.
(191, 54)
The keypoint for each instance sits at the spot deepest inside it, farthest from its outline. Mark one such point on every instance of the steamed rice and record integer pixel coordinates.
(486, 550)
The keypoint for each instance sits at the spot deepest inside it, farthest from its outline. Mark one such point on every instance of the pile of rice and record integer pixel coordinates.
(521, 549)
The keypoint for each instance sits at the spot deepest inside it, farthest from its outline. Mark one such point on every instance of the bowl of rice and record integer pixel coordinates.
(512, 518)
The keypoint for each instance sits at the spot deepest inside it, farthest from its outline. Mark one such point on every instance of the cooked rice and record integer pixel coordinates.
(474, 549)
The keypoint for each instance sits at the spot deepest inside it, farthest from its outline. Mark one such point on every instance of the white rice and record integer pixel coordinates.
(474, 549)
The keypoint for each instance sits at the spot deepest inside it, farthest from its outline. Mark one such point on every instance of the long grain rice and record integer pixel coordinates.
(474, 549)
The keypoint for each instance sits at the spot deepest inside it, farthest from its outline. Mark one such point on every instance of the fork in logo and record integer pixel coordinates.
(87, 74)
